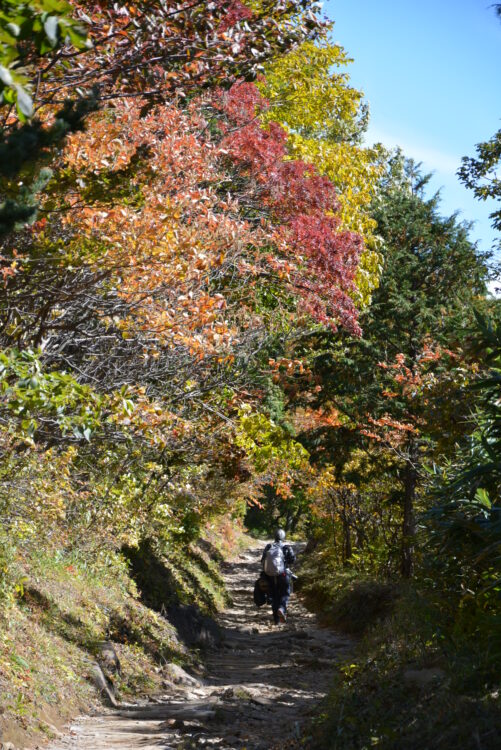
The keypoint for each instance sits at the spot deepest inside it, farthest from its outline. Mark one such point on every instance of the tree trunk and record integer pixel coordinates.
(410, 476)
(347, 549)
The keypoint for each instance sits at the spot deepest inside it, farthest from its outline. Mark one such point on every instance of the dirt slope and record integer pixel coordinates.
(261, 685)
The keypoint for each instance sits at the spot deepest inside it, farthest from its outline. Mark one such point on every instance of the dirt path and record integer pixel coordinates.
(260, 686)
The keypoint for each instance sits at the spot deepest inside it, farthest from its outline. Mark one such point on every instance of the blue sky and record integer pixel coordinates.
(431, 72)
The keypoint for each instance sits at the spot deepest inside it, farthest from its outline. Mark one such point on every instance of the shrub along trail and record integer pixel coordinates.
(262, 683)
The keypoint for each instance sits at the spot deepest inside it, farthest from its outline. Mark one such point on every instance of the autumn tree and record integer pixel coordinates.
(300, 210)
(165, 227)
(125, 292)
(59, 62)
(310, 95)
(393, 389)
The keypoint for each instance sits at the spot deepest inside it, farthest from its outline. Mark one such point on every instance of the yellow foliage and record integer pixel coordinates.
(307, 97)
(324, 115)
(354, 173)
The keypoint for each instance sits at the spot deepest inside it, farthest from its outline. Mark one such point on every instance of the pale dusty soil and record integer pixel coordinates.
(261, 685)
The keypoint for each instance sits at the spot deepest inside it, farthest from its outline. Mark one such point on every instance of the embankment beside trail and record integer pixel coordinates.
(413, 680)
(81, 634)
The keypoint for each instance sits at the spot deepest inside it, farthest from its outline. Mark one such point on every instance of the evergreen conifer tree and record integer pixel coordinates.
(396, 377)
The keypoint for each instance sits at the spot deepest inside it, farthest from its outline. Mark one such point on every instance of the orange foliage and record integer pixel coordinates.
(164, 246)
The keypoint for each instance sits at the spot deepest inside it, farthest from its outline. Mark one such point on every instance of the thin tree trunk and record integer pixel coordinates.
(347, 549)
(410, 477)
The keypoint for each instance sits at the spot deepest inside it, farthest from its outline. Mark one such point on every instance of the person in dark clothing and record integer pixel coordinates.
(276, 559)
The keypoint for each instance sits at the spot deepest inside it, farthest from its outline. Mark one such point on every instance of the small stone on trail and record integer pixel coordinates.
(263, 701)
(179, 676)
(300, 634)
(169, 724)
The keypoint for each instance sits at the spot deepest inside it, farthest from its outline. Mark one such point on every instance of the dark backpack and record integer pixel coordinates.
(261, 588)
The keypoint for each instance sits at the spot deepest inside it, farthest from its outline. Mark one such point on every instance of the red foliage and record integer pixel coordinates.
(326, 276)
(235, 12)
(169, 256)
(300, 206)
(242, 103)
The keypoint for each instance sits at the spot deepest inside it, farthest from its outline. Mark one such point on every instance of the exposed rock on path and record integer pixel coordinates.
(261, 684)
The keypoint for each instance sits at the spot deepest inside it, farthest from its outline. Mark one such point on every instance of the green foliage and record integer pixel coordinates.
(465, 522)
(266, 443)
(345, 598)
(291, 513)
(398, 391)
(7, 580)
(28, 31)
(272, 451)
(23, 151)
(429, 262)
(34, 397)
(425, 673)
(413, 679)
(480, 174)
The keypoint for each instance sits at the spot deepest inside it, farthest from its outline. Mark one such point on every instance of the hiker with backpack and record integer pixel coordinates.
(276, 560)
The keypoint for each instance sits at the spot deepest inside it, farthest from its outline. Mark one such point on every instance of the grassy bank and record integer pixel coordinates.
(418, 677)
(67, 605)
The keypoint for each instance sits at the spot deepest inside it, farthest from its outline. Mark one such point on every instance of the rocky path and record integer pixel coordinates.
(261, 684)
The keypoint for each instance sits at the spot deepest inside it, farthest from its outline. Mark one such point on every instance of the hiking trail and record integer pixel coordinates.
(261, 684)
